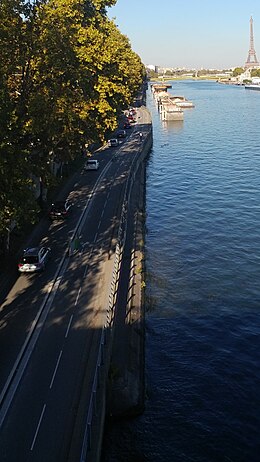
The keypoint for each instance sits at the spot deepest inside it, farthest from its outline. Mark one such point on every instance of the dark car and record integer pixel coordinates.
(127, 125)
(121, 134)
(34, 259)
(60, 210)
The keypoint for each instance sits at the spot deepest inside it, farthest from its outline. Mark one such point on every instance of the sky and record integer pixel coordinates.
(189, 33)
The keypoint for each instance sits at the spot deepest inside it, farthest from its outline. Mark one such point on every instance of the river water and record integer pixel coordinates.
(203, 285)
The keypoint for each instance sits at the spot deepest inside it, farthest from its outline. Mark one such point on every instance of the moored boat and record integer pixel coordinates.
(181, 101)
(252, 86)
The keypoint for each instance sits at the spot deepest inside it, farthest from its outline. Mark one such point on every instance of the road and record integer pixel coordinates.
(70, 298)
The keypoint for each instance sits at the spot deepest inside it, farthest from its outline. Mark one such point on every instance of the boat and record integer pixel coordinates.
(252, 86)
(181, 101)
(169, 111)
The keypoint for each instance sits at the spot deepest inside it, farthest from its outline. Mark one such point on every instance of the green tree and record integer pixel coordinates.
(255, 73)
(67, 72)
(238, 71)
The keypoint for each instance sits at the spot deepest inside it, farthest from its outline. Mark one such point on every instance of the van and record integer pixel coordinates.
(91, 164)
(113, 142)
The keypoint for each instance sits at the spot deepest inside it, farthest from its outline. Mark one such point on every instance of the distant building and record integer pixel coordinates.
(152, 67)
(246, 75)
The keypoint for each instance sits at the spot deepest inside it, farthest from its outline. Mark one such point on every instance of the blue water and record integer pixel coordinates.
(203, 290)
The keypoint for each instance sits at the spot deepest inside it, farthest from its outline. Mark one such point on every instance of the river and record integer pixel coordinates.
(202, 288)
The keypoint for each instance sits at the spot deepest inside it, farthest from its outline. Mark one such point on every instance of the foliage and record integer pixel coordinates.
(238, 71)
(66, 74)
(255, 73)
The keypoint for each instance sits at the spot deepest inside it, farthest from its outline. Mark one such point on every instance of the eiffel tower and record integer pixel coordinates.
(251, 61)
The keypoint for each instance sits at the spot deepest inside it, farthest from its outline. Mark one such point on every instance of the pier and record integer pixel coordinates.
(167, 108)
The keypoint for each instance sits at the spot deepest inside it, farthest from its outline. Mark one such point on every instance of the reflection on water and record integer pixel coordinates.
(173, 125)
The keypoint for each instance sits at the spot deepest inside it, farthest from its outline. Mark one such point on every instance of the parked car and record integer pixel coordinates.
(113, 142)
(121, 134)
(34, 259)
(127, 125)
(91, 164)
(60, 210)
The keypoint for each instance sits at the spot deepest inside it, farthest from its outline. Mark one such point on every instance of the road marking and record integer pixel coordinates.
(68, 328)
(77, 299)
(38, 427)
(55, 370)
(86, 270)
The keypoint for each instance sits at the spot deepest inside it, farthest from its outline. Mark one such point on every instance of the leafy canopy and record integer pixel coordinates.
(66, 74)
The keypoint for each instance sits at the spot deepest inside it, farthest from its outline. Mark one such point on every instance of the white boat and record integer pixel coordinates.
(181, 101)
(253, 86)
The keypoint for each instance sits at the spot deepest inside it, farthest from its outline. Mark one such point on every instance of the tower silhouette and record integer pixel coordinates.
(251, 59)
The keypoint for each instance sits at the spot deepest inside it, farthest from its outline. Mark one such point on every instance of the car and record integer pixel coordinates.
(34, 259)
(60, 210)
(91, 164)
(121, 134)
(132, 111)
(131, 119)
(113, 142)
(127, 125)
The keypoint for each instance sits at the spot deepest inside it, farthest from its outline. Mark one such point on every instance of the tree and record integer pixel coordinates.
(255, 73)
(67, 72)
(238, 71)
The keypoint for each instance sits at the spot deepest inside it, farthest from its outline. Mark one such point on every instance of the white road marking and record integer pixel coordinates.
(77, 299)
(38, 427)
(68, 328)
(55, 370)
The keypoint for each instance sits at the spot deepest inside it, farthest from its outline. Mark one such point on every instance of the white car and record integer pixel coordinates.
(91, 164)
(113, 142)
(34, 259)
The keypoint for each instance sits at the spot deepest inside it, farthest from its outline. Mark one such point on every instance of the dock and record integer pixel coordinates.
(167, 108)
(170, 106)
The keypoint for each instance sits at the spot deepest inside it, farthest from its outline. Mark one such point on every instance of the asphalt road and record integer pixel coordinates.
(38, 415)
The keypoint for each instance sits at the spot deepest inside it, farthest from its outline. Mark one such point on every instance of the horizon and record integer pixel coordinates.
(187, 35)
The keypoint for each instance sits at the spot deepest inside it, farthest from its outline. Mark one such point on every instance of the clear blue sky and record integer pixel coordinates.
(189, 33)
